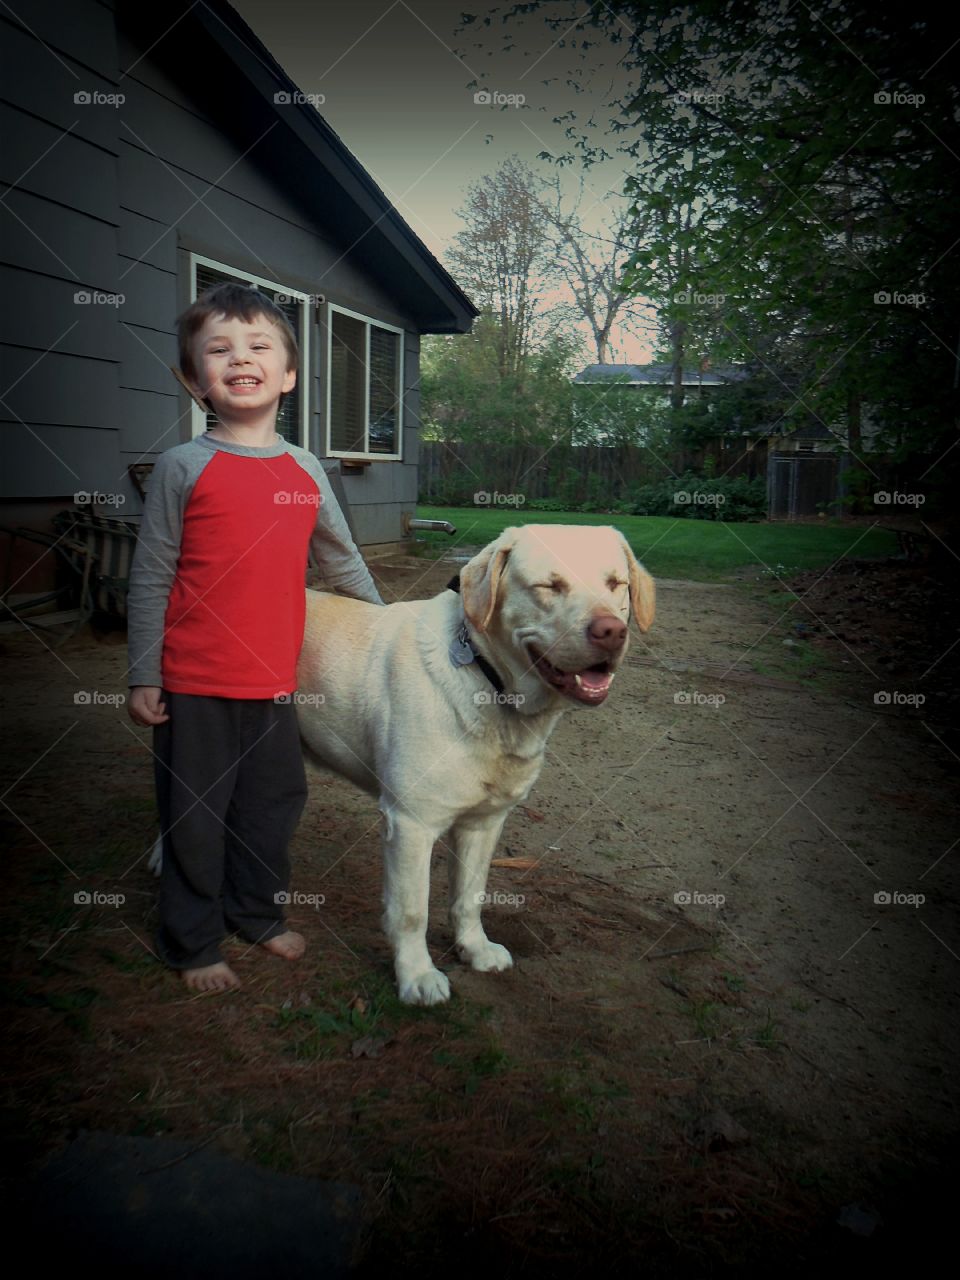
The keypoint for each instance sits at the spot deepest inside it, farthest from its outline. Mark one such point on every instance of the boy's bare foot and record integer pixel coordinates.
(211, 977)
(289, 945)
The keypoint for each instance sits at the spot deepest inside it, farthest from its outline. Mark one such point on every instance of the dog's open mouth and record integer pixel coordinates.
(591, 685)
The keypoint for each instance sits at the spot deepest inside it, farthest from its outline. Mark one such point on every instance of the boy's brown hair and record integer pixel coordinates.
(236, 302)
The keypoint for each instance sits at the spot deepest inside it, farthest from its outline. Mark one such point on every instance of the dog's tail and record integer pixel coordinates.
(155, 863)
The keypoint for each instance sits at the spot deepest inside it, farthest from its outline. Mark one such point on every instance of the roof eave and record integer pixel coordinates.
(266, 75)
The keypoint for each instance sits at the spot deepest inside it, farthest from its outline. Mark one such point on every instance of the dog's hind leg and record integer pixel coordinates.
(474, 842)
(407, 846)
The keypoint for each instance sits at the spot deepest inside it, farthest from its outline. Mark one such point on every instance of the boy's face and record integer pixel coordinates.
(241, 366)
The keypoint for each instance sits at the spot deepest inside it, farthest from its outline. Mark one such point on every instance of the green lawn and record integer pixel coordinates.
(703, 550)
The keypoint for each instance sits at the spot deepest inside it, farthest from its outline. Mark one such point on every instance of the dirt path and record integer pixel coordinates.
(704, 1078)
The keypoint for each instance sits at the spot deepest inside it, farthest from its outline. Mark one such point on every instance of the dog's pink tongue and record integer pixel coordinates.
(595, 679)
(593, 686)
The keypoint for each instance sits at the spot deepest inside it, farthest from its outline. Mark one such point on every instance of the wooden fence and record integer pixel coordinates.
(578, 474)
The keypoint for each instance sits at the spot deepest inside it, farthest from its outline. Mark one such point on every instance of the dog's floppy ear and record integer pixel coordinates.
(643, 593)
(480, 580)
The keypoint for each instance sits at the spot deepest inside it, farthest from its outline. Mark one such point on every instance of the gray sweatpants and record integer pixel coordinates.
(230, 790)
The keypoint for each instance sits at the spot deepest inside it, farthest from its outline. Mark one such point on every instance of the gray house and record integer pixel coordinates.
(153, 149)
(655, 375)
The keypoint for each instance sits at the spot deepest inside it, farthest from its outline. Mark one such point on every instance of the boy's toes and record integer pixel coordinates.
(211, 977)
(289, 945)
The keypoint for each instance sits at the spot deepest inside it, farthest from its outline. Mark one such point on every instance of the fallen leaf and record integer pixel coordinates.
(719, 1130)
(367, 1047)
(725, 1214)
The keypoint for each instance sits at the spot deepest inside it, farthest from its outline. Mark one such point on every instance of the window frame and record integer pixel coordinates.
(348, 455)
(198, 419)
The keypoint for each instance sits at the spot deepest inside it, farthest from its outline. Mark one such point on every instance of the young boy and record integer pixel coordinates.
(216, 616)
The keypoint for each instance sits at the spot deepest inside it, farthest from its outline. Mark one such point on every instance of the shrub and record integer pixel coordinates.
(742, 499)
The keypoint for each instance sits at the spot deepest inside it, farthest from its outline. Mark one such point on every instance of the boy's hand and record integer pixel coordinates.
(145, 706)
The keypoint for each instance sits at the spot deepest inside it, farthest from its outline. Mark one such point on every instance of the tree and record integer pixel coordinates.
(465, 399)
(803, 167)
(502, 258)
(591, 264)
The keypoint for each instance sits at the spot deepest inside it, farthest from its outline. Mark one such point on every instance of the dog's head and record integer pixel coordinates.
(552, 603)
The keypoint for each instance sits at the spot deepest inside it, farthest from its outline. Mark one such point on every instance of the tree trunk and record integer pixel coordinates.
(677, 335)
(855, 423)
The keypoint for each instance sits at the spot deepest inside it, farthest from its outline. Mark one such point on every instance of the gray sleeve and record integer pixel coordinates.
(334, 550)
(153, 569)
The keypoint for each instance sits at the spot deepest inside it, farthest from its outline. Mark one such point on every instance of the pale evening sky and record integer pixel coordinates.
(397, 93)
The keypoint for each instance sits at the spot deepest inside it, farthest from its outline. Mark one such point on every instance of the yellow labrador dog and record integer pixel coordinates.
(442, 708)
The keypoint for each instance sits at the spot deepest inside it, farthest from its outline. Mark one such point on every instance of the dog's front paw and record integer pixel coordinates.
(486, 957)
(432, 987)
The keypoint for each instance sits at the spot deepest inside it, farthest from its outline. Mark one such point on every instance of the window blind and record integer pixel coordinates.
(348, 342)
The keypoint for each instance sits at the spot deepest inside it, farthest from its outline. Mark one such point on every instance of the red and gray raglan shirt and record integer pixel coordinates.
(217, 597)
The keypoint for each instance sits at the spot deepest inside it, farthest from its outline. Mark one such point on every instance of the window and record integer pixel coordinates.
(293, 406)
(364, 397)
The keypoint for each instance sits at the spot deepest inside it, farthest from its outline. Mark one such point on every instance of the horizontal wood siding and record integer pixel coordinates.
(60, 418)
(113, 199)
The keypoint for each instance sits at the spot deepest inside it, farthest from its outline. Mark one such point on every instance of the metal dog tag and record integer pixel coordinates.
(461, 652)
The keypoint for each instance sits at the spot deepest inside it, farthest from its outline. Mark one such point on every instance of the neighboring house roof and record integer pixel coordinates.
(346, 197)
(812, 429)
(657, 375)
